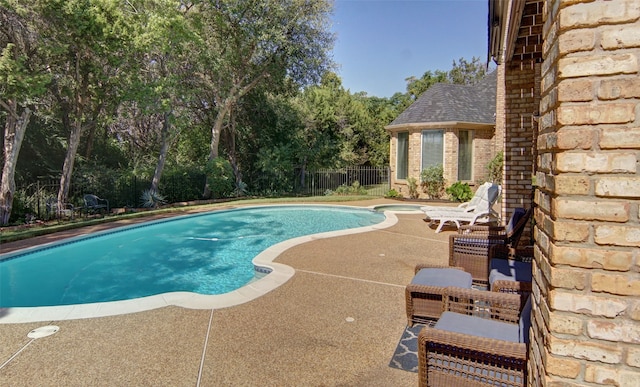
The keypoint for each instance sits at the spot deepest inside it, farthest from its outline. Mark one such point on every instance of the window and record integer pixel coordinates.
(402, 159)
(465, 154)
(432, 148)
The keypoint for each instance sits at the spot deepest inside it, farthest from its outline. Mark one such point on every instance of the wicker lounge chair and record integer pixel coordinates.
(482, 212)
(480, 194)
(423, 295)
(469, 248)
(481, 339)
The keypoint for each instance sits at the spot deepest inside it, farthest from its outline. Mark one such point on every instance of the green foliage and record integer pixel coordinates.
(413, 187)
(182, 183)
(392, 193)
(459, 192)
(220, 177)
(241, 189)
(151, 199)
(494, 168)
(432, 181)
(466, 73)
(137, 65)
(353, 189)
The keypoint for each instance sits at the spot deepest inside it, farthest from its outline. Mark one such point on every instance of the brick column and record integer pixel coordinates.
(586, 319)
(521, 109)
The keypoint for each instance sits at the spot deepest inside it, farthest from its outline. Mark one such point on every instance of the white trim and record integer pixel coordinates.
(440, 125)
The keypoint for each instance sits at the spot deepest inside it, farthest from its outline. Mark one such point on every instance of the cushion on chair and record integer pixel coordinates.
(442, 277)
(518, 213)
(478, 326)
(525, 322)
(510, 270)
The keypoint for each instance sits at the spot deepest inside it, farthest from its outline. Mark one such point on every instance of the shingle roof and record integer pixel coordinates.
(445, 102)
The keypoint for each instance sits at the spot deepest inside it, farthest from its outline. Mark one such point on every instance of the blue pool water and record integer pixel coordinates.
(208, 254)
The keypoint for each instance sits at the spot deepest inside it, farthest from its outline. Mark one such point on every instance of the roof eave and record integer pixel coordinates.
(440, 125)
(504, 22)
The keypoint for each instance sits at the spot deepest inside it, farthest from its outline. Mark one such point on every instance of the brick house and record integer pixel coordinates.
(450, 125)
(569, 103)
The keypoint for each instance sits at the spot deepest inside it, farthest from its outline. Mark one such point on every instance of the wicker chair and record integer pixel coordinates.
(481, 339)
(469, 248)
(424, 300)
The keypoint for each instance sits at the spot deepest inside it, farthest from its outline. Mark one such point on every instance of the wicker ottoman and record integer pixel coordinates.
(424, 293)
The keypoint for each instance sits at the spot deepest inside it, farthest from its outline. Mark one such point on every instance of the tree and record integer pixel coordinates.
(467, 73)
(162, 85)
(415, 87)
(245, 43)
(22, 80)
(84, 42)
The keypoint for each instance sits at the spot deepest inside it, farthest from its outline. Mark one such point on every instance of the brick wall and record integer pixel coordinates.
(586, 321)
(520, 79)
(483, 152)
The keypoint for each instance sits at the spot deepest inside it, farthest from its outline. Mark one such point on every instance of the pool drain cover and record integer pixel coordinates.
(43, 332)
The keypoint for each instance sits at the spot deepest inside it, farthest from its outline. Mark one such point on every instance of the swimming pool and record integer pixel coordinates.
(206, 254)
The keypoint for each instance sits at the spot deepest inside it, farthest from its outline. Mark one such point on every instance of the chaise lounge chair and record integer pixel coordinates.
(478, 197)
(481, 339)
(481, 213)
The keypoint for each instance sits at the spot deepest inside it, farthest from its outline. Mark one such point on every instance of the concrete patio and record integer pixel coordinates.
(335, 323)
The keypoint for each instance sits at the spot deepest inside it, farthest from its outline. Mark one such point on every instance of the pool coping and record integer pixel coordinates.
(279, 275)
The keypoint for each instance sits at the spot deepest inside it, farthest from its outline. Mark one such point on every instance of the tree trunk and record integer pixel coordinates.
(216, 130)
(14, 130)
(233, 157)
(69, 160)
(162, 158)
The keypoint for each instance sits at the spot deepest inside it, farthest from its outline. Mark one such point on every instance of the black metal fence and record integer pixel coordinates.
(372, 180)
(126, 190)
(122, 191)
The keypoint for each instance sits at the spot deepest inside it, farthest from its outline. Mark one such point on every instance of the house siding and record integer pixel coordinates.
(483, 151)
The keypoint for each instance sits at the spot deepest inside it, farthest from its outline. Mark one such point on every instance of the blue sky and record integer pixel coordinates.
(380, 43)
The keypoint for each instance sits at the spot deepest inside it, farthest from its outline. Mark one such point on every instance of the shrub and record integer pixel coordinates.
(459, 192)
(432, 181)
(182, 183)
(495, 168)
(393, 194)
(413, 187)
(220, 177)
(354, 189)
(151, 199)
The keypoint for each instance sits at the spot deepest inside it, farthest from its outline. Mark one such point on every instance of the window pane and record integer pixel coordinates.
(465, 146)
(432, 148)
(403, 156)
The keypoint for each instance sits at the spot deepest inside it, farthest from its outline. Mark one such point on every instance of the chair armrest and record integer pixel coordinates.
(481, 229)
(523, 254)
(512, 287)
(494, 305)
